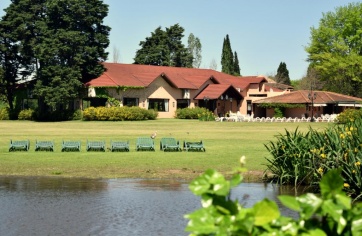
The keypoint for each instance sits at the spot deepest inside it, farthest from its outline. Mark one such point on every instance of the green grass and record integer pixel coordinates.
(225, 143)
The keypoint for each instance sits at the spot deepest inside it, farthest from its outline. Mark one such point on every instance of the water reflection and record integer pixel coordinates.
(60, 206)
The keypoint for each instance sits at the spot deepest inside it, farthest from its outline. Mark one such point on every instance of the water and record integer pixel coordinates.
(61, 206)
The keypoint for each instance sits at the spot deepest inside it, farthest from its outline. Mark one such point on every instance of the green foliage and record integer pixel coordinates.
(349, 115)
(229, 61)
(102, 92)
(278, 112)
(330, 214)
(57, 115)
(4, 113)
(200, 113)
(66, 51)
(282, 75)
(206, 115)
(118, 114)
(77, 115)
(280, 105)
(236, 65)
(298, 158)
(164, 48)
(27, 114)
(335, 49)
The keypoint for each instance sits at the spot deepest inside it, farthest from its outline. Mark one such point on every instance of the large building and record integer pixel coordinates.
(168, 88)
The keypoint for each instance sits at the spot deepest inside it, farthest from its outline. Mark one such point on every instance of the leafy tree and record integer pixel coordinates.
(282, 75)
(227, 58)
(65, 40)
(164, 48)
(194, 47)
(13, 65)
(236, 65)
(310, 81)
(335, 50)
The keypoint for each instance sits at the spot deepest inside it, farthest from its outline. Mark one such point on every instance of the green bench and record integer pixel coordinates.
(44, 145)
(96, 146)
(69, 146)
(19, 145)
(119, 146)
(169, 144)
(194, 146)
(145, 144)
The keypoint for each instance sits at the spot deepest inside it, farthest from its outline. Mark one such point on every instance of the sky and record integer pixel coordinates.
(262, 32)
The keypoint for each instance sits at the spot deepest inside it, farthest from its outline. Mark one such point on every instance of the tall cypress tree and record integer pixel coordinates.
(236, 64)
(227, 57)
(282, 75)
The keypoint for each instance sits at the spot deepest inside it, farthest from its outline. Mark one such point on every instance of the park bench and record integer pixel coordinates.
(194, 146)
(19, 145)
(169, 144)
(44, 145)
(119, 146)
(68, 146)
(145, 144)
(96, 146)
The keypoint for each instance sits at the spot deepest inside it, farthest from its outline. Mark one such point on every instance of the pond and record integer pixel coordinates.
(68, 206)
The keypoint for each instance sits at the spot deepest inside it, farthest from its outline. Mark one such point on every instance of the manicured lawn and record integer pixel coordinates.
(225, 143)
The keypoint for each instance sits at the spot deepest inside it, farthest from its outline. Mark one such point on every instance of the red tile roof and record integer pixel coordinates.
(183, 78)
(301, 96)
(213, 91)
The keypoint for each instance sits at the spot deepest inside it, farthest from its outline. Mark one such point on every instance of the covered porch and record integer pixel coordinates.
(220, 99)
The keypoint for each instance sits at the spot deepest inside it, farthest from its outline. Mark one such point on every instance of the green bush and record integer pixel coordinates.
(118, 114)
(27, 114)
(349, 115)
(4, 113)
(278, 112)
(77, 115)
(298, 158)
(330, 213)
(200, 113)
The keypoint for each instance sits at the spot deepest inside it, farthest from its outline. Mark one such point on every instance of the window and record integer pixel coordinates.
(158, 104)
(183, 103)
(130, 102)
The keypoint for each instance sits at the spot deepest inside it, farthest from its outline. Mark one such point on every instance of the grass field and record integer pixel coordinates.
(225, 143)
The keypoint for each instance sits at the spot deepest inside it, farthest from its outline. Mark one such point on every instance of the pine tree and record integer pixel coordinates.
(164, 48)
(282, 75)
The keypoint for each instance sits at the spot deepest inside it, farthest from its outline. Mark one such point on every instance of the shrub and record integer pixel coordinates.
(331, 213)
(4, 113)
(27, 114)
(278, 112)
(200, 113)
(118, 113)
(349, 115)
(77, 115)
(299, 158)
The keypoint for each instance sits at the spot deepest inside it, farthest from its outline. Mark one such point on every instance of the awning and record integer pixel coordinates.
(319, 105)
(349, 105)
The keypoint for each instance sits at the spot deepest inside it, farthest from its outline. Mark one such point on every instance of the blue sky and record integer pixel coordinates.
(262, 32)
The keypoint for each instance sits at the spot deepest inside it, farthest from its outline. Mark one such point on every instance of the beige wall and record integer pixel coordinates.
(159, 89)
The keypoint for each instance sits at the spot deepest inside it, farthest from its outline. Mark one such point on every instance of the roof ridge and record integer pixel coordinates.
(301, 93)
(106, 74)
